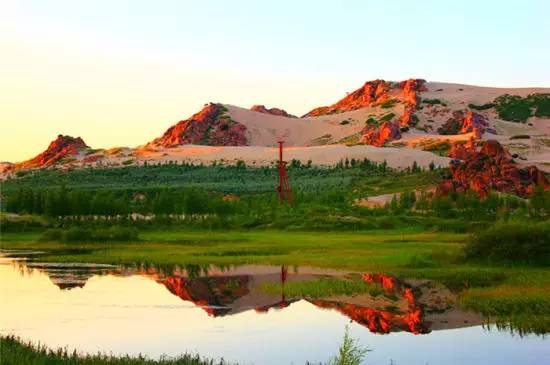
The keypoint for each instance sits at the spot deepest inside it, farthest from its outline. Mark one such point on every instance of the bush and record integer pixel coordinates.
(520, 136)
(78, 234)
(512, 242)
(481, 107)
(388, 104)
(387, 117)
(432, 101)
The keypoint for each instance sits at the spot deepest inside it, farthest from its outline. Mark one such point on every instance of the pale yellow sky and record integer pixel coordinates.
(118, 99)
(118, 73)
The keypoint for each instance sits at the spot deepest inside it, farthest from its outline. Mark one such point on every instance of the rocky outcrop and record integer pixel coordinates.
(492, 168)
(411, 89)
(462, 151)
(6, 167)
(474, 122)
(377, 92)
(379, 136)
(60, 148)
(461, 123)
(211, 126)
(272, 111)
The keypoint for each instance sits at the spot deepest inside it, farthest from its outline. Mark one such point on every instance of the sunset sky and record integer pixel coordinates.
(121, 72)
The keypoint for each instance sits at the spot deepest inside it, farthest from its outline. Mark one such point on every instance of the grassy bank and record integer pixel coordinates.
(16, 352)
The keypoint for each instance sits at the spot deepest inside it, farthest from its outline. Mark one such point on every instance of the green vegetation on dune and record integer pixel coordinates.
(518, 109)
(485, 106)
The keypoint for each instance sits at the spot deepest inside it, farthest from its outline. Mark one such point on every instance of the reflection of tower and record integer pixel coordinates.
(284, 272)
(284, 187)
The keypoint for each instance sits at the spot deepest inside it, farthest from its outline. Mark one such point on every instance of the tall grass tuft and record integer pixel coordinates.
(350, 353)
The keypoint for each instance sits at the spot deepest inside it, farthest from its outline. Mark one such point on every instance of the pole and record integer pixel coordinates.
(284, 186)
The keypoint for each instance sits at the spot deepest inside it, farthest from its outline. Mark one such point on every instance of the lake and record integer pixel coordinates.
(237, 312)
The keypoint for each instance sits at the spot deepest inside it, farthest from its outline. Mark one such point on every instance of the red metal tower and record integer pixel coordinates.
(285, 192)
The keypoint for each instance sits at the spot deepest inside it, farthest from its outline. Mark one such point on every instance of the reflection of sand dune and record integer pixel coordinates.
(412, 306)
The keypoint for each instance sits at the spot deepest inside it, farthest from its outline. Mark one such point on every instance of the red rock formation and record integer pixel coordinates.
(61, 147)
(209, 126)
(475, 123)
(379, 136)
(377, 92)
(492, 168)
(461, 124)
(272, 111)
(411, 88)
(462, 151)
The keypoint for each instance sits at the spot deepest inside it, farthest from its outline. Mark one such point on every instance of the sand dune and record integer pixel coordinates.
(319, 155)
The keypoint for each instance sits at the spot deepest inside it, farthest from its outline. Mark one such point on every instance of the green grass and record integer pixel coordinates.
(14, 351)
(324, 287)
(366, 251)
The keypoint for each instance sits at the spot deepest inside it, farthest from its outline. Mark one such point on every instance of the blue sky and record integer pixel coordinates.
(136, 67)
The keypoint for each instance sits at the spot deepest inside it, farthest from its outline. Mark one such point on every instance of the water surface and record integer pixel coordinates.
(226, 312)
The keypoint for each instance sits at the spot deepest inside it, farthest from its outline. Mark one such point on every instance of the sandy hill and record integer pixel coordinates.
(400, 122)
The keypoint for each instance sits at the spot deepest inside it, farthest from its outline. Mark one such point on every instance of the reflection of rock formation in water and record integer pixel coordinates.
(213, 294)
(384, 320)
(412, 306)
(68, 276)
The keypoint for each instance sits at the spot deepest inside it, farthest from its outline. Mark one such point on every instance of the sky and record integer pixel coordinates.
(120, 72)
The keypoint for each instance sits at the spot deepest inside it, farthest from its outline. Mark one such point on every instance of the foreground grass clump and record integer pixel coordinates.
(350, 352)
(78, 234)
(512, 242)
(324, 287)
(13, 351)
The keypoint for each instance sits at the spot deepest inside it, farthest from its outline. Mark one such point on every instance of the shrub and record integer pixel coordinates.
(388, 104)
(520, 136)
(344, 122)
(481, 107)
(512, 242)
(372, 121)
(387, 117)
(432, 101)
(513, 108)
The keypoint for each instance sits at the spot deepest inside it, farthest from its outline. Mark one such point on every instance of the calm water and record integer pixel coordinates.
(226, 312)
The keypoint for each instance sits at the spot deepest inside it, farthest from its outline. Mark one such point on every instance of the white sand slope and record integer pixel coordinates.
(319, 155)
(265, 129)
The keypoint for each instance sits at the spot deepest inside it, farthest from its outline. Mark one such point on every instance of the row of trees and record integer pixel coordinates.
(64, 202)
